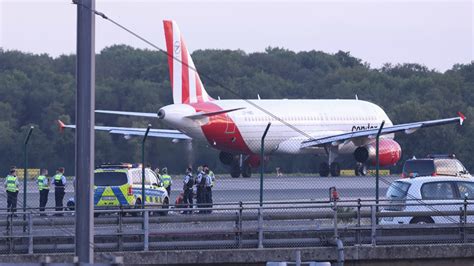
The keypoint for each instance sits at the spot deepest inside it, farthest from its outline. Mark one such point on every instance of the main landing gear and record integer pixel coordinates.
(325, 169)
(237, 169)
(360, 169)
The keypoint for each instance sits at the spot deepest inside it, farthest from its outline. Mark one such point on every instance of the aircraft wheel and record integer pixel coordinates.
(363, 170)
(235, 170)
(246, 171)
(335, 169)
(324, 169)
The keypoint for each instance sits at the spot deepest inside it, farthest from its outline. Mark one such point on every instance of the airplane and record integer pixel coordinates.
(235, 127)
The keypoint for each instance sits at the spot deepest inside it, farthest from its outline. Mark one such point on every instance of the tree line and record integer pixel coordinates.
(36, 90)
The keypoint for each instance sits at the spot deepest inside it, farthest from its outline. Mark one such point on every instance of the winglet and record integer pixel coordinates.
(462, 117)
(61, 126)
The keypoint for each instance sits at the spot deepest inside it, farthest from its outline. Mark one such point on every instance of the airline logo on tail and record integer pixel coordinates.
(185, 82)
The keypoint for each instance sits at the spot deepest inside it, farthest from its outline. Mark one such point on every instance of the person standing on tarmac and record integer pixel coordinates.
(211, 174)
(11, 184)
(208, 189)
(59, 187)
(201, 188)
(43, 187)
(166, 180)
(188, 184)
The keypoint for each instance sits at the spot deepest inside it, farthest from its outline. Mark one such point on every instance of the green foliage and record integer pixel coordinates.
(37, 90)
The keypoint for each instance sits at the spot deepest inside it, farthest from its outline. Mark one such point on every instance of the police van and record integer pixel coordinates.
(121, 186)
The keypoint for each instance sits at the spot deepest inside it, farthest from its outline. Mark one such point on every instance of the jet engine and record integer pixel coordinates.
(389, 153)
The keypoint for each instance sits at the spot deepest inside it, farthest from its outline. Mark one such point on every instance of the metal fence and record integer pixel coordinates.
(241, 225)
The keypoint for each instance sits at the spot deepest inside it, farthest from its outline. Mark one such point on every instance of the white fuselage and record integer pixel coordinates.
(292, 122)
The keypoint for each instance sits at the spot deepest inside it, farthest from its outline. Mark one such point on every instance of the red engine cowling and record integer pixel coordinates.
(389, 153)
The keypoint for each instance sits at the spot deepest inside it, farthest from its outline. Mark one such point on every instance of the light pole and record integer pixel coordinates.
(377, 166)
(25, 173)
(262, 153)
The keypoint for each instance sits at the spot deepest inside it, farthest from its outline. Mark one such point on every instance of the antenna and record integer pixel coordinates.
(258, 96)
(357, 98)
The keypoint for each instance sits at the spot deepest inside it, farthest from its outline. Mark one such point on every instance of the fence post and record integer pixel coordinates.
(260, 228)
(239, 226)
(120, 230)
(143, 165)
(146, 231)
(262, 153)
(25, 173)
(373, 224)
(377, 166)
(359, 206)
(30, 234)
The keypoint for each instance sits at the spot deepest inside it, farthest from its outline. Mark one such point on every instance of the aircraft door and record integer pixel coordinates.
(230, 125)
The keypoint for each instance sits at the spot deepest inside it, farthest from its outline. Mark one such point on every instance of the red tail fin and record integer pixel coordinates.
(185, 82)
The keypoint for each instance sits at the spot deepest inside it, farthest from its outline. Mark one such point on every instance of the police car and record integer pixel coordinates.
(121, 186)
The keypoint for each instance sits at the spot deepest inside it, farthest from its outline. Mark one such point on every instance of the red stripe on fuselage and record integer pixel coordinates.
(184, 73)
(216, 130)
(168, 25)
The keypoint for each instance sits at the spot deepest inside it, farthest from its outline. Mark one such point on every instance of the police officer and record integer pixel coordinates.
(201, 188)
(43, 187)
(188, 183)
(59, 186)
(208, 187)
(11, 184)
(211, 174)
(166, 180)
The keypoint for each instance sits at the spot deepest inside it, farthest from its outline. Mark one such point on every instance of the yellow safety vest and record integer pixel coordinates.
(166, 179)
(11, 183)
(41, 184)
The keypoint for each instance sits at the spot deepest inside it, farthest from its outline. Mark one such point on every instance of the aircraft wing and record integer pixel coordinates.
(140, 114)
(372, 133)
(129, 131)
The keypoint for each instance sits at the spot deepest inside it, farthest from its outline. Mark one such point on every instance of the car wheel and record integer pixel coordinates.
(422, 220)
(165, 206)
(138, 205)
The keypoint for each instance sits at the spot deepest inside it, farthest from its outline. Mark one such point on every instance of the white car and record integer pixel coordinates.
(430, 194)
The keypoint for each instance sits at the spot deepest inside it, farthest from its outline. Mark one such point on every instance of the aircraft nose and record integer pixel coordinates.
(161, 114)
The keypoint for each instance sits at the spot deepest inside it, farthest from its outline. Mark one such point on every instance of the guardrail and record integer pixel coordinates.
(237, 225)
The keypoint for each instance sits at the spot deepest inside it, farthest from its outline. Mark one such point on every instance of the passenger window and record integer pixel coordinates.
(466, 189)
(437, 190)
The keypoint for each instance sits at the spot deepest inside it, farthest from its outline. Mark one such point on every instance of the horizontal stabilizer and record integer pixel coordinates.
(129, 131)
(140, 114)
(209, 114)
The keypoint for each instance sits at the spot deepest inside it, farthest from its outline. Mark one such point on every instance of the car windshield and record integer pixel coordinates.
(449, 167)
(398, 190)
(110, 178)
(466, 189)
(419, 167)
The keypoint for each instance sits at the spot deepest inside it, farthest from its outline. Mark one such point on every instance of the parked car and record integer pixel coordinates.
(430, 194)
(434, 165)
(121, 186)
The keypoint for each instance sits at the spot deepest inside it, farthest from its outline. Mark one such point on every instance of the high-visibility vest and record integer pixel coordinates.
(41, 184)
(58, 180)
(11, 183)
(166, 179)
